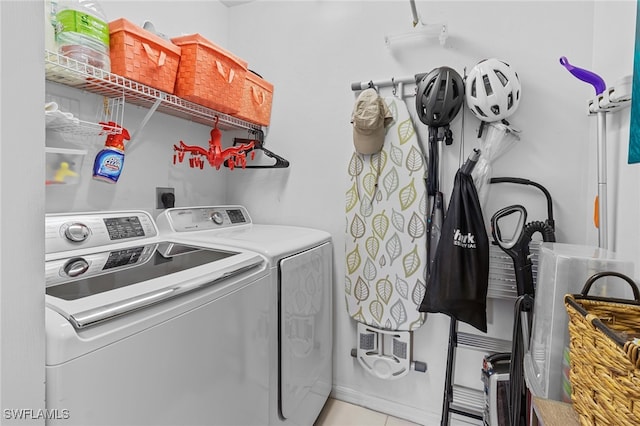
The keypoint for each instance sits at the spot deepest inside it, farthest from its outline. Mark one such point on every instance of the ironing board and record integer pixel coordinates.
(386, 246)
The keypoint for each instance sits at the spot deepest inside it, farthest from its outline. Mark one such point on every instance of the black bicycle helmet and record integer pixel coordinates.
(440, 96)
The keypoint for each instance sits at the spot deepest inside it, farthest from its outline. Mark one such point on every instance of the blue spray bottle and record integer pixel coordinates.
(109, 162)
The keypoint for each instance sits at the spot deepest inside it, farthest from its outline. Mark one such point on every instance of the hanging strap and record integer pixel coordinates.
(222, 72)
(159, 58)
(258, 96)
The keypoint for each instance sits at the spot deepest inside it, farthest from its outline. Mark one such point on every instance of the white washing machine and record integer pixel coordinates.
(301, 264)
(144, 330)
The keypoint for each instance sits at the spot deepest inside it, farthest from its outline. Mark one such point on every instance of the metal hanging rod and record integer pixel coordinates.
(362, 85)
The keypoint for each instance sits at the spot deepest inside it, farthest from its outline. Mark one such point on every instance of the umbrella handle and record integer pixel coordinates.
(468, 165)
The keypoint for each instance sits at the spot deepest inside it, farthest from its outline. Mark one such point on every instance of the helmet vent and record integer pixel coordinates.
(473, 88)
(455, 90)
(487, 85)
(441, 90)
(495, 109)
(427, 92)
(480, 112)
(510, 100)
(503, 79)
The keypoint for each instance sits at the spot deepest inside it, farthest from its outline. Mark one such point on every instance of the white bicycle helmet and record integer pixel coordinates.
(492, 90)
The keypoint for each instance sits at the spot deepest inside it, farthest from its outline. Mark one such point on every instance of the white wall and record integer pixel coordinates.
(337, 43)
(313, 50)
(21, 213)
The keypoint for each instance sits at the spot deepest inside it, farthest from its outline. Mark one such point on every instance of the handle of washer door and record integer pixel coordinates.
(495, 226)
(113, 310)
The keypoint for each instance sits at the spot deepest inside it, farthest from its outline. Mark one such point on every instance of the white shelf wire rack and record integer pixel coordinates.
(70, 72)
(111, 111)
(81, 128)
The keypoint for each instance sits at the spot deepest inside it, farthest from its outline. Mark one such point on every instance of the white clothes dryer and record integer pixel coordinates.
(301, 263)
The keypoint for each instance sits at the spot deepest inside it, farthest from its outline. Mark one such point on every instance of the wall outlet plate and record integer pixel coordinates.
(159, 192)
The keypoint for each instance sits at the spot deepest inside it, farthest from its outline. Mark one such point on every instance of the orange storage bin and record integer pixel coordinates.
(209, 75)
(140, 55)
(257, 98)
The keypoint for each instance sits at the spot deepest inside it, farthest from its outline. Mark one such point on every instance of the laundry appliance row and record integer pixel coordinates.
(202, 318)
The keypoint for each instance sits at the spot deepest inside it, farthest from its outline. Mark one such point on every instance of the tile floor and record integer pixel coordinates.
(340, 413)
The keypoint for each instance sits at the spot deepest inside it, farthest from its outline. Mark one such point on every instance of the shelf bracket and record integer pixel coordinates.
(146, 119)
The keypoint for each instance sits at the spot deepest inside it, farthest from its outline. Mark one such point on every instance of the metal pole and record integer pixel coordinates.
(145, 120)
(602, 180)
(362, 85)
(414, 12)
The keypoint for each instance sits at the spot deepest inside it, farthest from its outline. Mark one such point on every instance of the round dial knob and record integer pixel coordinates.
(75, 267)
(217, 218)
(76, 232)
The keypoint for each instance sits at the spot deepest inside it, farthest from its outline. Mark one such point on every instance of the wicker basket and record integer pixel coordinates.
(142, 56)
(257, 98)
(209, 75)
(605, 363)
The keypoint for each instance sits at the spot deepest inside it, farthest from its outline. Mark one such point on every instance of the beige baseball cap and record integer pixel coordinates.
(369, 118)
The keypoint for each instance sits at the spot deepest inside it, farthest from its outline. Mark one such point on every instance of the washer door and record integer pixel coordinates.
(305, 333)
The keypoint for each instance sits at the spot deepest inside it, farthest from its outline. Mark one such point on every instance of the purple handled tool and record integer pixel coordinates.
(590, 77)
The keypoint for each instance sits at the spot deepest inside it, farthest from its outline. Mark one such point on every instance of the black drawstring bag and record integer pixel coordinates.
(457, 283)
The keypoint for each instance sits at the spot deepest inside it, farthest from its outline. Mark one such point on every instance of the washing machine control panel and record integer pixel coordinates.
(203, 218)
(85, 230)
(91, 264)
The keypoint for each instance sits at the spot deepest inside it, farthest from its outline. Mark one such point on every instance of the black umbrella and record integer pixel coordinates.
(435, 219)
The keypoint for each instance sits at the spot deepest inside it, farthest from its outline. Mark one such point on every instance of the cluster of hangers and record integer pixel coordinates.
(232, 157)
(258, 143)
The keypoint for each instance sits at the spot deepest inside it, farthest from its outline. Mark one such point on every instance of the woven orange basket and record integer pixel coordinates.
(257, 98)
(140, 55)
(605, 361)
(209, 75)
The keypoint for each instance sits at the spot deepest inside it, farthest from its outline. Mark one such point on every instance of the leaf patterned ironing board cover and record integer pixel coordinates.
(386, 236)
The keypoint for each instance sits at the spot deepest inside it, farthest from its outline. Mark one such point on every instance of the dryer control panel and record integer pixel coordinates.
(202, 218)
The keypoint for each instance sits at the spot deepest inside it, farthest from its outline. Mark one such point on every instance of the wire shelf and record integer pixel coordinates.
(62, 120)
(70, 72)
(82, 128)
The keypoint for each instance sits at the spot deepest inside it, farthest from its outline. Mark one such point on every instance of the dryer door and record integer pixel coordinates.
(305, 333)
